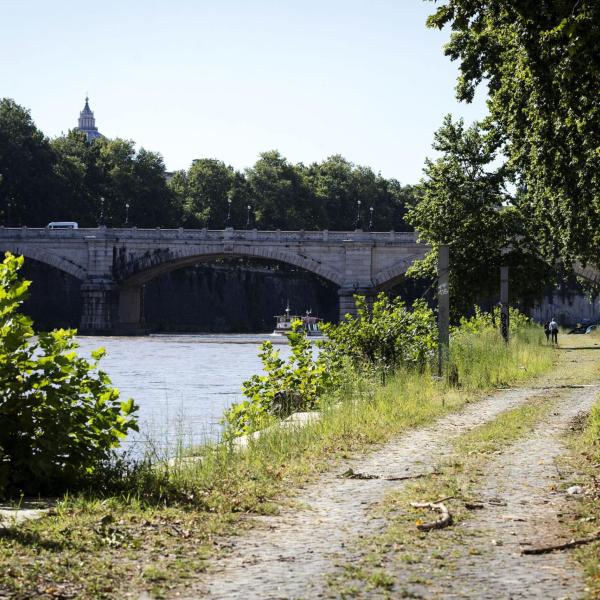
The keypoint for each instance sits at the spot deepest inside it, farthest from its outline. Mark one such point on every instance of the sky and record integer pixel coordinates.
(229, 79)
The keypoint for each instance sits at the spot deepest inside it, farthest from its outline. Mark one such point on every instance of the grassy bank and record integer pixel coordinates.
(585, 518)
(154, 526)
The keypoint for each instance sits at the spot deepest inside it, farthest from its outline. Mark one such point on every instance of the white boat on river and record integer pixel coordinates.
(283, 323)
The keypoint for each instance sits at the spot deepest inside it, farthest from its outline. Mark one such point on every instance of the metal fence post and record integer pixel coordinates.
(504, 312)
(443, 307)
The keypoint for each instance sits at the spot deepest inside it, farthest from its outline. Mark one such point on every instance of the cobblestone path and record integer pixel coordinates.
(285, 556)
(523, 502)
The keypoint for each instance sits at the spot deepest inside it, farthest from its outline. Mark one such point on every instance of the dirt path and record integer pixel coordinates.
(285, 556)
(523, 498)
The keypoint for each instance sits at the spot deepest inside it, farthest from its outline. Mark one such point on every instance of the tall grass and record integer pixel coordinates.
(483, 360)
(225, 479)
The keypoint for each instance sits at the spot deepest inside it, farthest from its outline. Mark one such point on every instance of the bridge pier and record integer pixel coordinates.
(110, 310)
(131, 311)
(99, 312)
(347, 303)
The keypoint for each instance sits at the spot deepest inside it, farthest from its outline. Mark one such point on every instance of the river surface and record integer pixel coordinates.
(182, 383)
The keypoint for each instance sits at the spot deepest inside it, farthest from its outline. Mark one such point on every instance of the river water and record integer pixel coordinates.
(182, 383)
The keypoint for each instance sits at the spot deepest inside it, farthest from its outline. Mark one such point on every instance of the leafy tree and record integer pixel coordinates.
(283, 197)
(339, 185)
(152, 203)
(209, 182)
(465, 204)
(137, 179)
(66, 179)
(540, 60)
(81, 181)
(26, 163)
(333, 184)
(385, 335)
(60, 416)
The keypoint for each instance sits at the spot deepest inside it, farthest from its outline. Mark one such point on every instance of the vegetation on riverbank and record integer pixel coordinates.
(60, 416)
(152, 526)
(585, 517)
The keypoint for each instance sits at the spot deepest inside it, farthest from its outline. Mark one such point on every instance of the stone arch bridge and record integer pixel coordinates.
(114, 264)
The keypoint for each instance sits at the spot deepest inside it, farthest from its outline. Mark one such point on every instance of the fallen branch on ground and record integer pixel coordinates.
(403, 477)
(572, 544)
(444, 520)
(352, 474)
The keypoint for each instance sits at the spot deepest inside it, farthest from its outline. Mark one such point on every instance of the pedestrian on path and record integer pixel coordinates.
(547, 331)
(553, 327)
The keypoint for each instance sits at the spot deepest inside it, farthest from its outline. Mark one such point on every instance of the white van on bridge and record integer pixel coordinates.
(62, 225)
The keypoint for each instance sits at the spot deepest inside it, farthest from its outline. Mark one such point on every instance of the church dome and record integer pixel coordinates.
(87, 122)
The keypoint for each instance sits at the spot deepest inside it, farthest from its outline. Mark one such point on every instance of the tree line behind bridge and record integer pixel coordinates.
(108, 181)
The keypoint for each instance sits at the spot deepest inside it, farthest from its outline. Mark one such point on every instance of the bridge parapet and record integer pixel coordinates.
(251, 235)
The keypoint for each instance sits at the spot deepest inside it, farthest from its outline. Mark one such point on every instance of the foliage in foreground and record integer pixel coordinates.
(60, 416)
(285, 386)
(386, 335)
(483, 321)
(382, 339)
(142, 534)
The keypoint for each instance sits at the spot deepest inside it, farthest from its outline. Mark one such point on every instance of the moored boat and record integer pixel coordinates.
(283, 323)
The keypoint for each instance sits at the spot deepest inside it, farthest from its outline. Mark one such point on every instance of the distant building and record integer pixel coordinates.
(87, 123)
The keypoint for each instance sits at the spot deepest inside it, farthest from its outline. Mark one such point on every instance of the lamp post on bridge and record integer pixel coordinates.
(126, 214)
(370, 218)
(248, 208)
(228, 220)
(101, 221)
(358, 222)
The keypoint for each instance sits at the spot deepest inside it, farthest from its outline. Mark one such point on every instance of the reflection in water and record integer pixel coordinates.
(182, 383)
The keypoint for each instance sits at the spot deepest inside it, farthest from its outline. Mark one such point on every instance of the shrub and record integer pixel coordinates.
(385, 335)
(60, 417)
(487, 321)
(286, 387)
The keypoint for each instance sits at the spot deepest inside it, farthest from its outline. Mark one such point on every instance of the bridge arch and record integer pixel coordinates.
(141, 269)
(388, 277)
(132, 271)
(48, 258)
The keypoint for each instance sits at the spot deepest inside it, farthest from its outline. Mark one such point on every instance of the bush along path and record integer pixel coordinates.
(344, 537)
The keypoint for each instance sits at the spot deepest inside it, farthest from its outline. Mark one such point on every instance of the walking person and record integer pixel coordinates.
(553, 327)
(547, 331)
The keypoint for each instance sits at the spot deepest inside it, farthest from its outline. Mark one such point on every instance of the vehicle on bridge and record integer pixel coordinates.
(62, 225)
